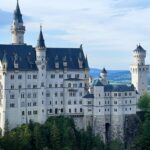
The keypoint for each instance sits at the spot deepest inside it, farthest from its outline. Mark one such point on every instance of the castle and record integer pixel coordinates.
(39, 82)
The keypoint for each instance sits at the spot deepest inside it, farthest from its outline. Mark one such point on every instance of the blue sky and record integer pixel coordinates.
(108, 29)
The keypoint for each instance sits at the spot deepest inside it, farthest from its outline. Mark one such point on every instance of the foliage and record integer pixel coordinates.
(58, 133)
(142, 141)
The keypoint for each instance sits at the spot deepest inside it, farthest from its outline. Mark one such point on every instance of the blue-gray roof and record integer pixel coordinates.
(118, 88)
(89, 96)
(104, 71)
(97, 82)
(25, 56)
(17, 14)
(139, 49)
(41, 42)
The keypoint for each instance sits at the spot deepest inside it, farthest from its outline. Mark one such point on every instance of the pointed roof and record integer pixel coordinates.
(17, 14)
(86, 63)
(41, 42)
(139, 49)
(104, 71)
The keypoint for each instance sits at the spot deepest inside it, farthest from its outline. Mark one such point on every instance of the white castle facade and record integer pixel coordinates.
(39, 82)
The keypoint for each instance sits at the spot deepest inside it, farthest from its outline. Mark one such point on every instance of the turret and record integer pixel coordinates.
(139, 71)
(103, 76)
(17, 28)
(40, 47)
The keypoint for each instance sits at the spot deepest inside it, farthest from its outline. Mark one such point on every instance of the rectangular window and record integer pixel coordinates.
(19, 76)
(11, 76)
(34, 76)
(12, 105)
(12, 96)
(35, 112)
(76, 75)
(52, 76)
(61, 76)
(68, 76)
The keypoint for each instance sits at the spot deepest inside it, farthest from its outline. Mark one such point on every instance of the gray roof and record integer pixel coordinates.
(41, 42)
(118, 88)
(89, 96)
(25, 56)
(104, 71)
(17, 14)
(97, 82)
(139, 49)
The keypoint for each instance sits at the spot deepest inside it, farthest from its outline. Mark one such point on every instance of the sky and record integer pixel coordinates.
(108, 29)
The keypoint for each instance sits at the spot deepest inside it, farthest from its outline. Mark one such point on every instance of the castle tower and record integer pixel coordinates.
(139, 71)
(103, 76)
(17, 28)
(41, 65)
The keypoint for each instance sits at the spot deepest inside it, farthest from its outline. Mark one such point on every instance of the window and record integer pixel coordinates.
(81, 110)
(99, 110)
(12, 96)
(12, 105)
(35, 86)
(68, 76)
(35, 112)
(75, 85)
(34, 95)
(61, 76)
(29, 76)
(62, 110)
(19, 76)
(34, 104)
(47, 94)
(29, 112)
(55, 102)
(69, 84)
(29, 104)
(50, 85)
(42, 84)
(69, 102)
(11, 76)
(75, 102)
(55, 85)
(52, 76)
(22, 95)
(80, 102)
(99, 103)
(69, 110)
(61, 94)
(115, 94)
(76, 75)
(130, 94)
(130, 101)
(89, 102)
(61, 102)
(23, 113)
(56, 94)
(42, 102)
(61, 85)
(115, 110)
(12, 86)
(75, 110)
(50, 111)
(34, 76)
(80, 85)
(119, 94)
(19, 87)
(115, 102)
(50, 102)
(29, 95)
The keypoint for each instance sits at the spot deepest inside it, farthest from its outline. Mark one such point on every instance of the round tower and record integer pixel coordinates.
(103, 76)
(17, 28)
(41, 65)
(139, 71)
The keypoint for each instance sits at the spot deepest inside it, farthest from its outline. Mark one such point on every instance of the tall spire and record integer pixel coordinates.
(41, 42)
(17, 14)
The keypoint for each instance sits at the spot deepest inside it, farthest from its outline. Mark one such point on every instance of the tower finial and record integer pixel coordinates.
(40, 27)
